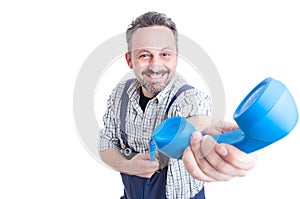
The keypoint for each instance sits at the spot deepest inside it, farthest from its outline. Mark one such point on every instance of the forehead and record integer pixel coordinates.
(157, 37)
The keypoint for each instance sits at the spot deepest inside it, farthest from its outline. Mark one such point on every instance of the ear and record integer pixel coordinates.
(128, 60)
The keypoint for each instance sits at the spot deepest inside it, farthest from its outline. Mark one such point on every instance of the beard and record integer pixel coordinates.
(152, 87)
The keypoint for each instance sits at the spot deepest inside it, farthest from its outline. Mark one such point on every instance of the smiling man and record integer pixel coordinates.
(153, 57)
(137, 106)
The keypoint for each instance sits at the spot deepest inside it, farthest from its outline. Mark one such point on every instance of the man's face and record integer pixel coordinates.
(153, 58)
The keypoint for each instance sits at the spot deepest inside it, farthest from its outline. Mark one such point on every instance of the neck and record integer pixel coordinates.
(147, 93)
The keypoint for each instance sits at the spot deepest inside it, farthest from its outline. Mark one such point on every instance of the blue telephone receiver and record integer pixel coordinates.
(267, 114)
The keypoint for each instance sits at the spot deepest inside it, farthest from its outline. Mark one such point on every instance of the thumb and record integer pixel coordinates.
(143, 156)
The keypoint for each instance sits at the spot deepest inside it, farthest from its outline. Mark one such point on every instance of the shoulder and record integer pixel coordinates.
(117, 92)
(191, 101)
(119, 88)
(192, 96)
(186, 90)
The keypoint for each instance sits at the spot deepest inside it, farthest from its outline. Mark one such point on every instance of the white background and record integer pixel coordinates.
(44, 44)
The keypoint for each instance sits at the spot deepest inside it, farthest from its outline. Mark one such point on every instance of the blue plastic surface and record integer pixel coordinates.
(172, 136)
(267, 114)
(152, 150)
(240, 140)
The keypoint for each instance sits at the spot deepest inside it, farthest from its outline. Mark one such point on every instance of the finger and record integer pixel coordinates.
(192, 167)
(144, 160)
(146, 156)
(143, 156)
(212, 164)
(195, 143)
(211, 130)
(236, 157)
(151, 166)
(220, 168)
(209, 170)
(200, 154)
(228, 126)
(197, 146)
(200, 166)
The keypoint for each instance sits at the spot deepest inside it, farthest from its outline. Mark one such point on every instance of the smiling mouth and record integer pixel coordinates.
(155, 77)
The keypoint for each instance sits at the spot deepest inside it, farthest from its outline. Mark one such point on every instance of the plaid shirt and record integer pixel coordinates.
(139, 127)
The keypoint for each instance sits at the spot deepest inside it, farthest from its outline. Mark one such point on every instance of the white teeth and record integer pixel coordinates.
(156, 76)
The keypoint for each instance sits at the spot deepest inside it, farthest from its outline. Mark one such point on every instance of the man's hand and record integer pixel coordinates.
(209, 161)
(141, 166)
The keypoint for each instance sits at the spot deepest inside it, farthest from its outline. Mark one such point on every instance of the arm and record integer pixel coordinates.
(200, 122)
(139, 165)
(204, 124)
(113, 158)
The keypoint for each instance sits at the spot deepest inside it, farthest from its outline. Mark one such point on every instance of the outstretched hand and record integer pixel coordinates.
(209, 161)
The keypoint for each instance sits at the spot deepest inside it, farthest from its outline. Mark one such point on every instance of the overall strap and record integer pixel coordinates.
(123, 110)
(180, 90)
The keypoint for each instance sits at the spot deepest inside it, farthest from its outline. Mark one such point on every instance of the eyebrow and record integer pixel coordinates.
(152, 48)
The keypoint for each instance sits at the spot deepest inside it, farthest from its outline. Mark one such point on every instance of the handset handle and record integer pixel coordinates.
(241, 140)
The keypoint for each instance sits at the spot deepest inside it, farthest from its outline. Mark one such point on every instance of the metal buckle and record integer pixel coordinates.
(127, 151)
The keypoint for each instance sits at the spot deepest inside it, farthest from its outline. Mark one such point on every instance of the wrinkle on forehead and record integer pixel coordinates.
(153, 37)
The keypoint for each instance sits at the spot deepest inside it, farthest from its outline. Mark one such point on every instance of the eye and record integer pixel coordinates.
(165, 54)
(144, 55)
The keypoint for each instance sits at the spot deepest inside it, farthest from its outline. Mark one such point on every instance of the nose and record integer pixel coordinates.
(155, 63)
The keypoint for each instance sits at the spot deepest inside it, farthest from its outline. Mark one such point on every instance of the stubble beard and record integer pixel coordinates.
(153, 88)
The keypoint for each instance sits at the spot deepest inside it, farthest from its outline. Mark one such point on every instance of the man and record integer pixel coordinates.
(152, 55)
